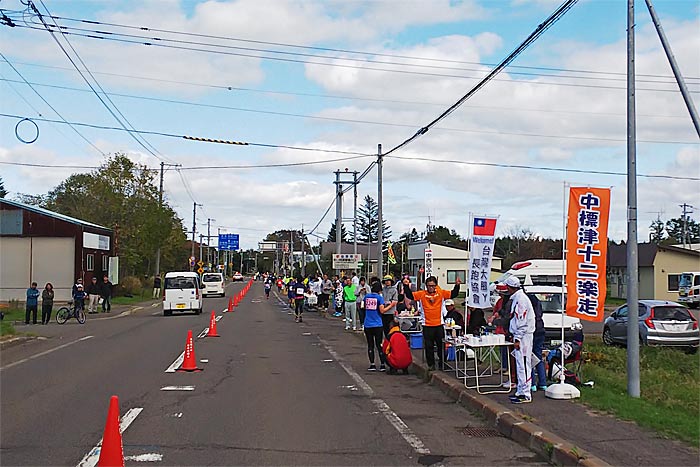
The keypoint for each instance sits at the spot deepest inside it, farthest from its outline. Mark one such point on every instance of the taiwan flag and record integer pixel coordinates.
(484, 226)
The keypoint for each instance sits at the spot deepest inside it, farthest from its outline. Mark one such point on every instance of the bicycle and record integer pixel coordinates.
(66, 312)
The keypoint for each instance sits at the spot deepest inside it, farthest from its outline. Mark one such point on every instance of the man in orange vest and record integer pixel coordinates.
(432, 318)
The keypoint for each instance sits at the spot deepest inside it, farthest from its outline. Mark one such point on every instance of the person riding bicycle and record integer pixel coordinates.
(79, 298)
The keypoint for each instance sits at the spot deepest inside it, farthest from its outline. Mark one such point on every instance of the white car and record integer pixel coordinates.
(237, 277)
(214, 282)
(181, 293)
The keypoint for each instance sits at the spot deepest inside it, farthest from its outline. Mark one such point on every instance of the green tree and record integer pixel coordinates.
(410, 237)
(3, 191)
(674, 228)
(442, 234)
(657, 231)
(343, 233)
(368, 222)
(123, 196)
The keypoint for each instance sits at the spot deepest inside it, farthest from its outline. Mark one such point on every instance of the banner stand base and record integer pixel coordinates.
(562, 391)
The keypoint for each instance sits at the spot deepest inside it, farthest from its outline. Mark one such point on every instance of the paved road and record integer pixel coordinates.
(272, 392)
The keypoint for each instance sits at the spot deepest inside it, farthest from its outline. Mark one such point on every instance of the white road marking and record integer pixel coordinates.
(176, 364)
(328, 360)
(204, 360)
(177, 415)
(91, 458)
(157, 313)
(306, 334)
(46, 352)
(177, 388)
(411, 438)
(150, 457)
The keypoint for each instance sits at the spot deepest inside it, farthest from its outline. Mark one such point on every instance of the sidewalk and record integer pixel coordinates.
(562, 431)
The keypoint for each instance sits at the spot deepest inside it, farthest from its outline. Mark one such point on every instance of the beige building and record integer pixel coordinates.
(449, 262)
(660, 267)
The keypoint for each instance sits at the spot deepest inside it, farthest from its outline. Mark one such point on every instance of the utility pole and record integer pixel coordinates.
(380, 226)
(354, 217)
(194, 229)
(200, 246)
(209, 239)
(338, 214)
(686, 211)
(303, 253)
(674, 67)
(633, 386)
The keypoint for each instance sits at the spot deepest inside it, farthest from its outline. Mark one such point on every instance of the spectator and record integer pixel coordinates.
(106, 294)
(350, 305)
(360, 292)
(522, 326)
(93, 291)
(501, 319)
(431, 301)
(452, 313)
(539, 380)
(78, 281)
(79, 297)
(355, 279)
(391, 298)
(46, 303)
(338, 297)
(32, 303)
(374, 306)
(326, 291)
(397, 351)
(156, 286)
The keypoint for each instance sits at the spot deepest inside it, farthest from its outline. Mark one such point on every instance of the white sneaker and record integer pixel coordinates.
(509, 385)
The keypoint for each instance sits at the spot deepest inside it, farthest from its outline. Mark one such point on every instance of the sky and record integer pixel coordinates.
(347, 76)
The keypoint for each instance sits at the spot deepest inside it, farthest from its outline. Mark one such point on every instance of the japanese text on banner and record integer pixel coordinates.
(587, 249)
(480, 256)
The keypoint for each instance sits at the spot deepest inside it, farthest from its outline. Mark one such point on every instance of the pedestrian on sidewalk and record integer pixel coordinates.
(374, 307)
(432, 320)
(391, 299)
(539, 378)
(46, 303)
(93, 291)
(79, 297)
(522, 326)
(350, 305)
(32, 303)
(326, 291)
(338, 296)
(106, 295)
(157, 281)
(361, 292)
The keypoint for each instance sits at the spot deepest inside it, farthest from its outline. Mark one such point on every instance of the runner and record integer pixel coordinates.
(297, 288)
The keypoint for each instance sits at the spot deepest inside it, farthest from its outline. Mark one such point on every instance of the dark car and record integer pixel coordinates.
(660, 323)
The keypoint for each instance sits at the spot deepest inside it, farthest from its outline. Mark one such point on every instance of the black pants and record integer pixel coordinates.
(323, 301)
(361, 312)
(298, 307)
(387, 319)
(106, 304)
(374, 339)
(433, 336)
(46, 312)
(33, 309)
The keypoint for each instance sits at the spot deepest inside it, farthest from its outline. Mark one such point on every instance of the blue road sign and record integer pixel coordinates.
(228, 242)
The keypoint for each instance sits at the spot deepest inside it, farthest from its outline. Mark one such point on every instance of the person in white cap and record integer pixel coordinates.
(522, 326)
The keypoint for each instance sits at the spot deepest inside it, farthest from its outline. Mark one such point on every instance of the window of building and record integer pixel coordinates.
(673, 282)
(105, 263)
(454, 274)
(90, 262)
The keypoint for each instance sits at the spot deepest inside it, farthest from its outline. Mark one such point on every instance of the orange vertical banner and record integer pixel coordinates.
(587, 250)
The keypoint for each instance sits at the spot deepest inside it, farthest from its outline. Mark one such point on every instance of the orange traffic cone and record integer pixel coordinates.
(212, 326)
(230, 304)
(111, 452)
(190, 362)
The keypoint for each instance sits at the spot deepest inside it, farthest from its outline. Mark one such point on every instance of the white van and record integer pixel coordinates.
(689, 289)
(214, 282)
(182, 292)
(552, 313)
(536, 272)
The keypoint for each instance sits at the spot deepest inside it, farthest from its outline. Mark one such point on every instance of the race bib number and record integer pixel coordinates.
(371, 303)
(300, 291)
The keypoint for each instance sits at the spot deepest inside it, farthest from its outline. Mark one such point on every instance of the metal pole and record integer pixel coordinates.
(160, 206)
(208, 239)
(633, 389)
(200, 246)
(338, 214)
(194, 228)
(303, 253)
(380, 219)
(354, 217)
(674, 66)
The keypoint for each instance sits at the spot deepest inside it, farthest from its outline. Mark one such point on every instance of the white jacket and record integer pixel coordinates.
(522, 315)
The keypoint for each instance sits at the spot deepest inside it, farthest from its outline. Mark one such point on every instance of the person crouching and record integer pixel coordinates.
(397, 350)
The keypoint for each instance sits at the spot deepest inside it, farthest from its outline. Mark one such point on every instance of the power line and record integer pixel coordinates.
(50, 106)
(541, 28)
(173, 135)
(328, 96)
(157, 42)
(343, 51)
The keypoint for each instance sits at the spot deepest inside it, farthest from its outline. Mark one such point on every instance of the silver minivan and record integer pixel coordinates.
(182, 292)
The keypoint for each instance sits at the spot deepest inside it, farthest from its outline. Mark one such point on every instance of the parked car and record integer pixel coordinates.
(689, 289)
(660, 323)
(214, 282)
(182, 292)
(237, 277)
